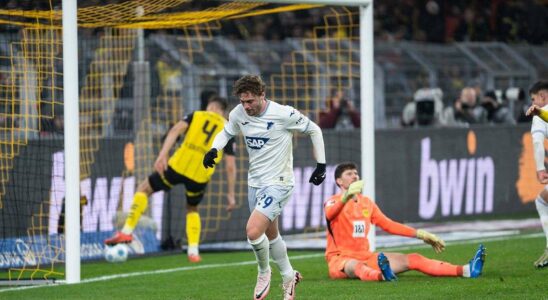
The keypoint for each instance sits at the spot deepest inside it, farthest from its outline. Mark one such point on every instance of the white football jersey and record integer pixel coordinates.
(269, 143)
(539, 126)
(539, 132)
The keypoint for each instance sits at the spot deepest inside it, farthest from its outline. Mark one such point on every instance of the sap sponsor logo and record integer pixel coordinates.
(104, 194)
(305, 210)
(455, 183)
(255, 142)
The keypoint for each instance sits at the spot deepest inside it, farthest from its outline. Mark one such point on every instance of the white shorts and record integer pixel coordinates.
(269, 200)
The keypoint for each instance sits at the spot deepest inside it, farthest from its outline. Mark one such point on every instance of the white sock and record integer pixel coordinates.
(193, 250)
(278, 250)
(466, 270)
(260, 248)
(127, 230)
(542, 208)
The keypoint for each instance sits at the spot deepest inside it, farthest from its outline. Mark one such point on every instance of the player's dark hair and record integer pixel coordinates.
(205, 96)
(223, 104)
(249, 83)
(538, 86)
(343, 167)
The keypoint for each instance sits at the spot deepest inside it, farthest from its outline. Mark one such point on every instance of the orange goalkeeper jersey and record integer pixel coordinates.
(348, 225)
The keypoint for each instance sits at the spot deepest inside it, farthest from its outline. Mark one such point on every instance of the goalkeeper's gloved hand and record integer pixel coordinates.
(209, 158)
(318, 175)
(429, 238)
(353, 189)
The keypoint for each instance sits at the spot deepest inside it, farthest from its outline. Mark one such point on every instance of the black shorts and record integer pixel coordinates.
(194, 190)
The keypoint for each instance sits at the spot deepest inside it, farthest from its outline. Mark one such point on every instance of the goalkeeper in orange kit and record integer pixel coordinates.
(349, 218)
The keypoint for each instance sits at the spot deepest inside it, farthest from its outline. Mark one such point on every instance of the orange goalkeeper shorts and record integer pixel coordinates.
(336, 264)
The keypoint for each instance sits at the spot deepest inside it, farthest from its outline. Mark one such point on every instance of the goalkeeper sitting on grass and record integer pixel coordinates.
(349, 218)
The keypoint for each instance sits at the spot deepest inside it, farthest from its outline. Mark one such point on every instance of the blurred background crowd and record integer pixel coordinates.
(437, 62)
(434, 21)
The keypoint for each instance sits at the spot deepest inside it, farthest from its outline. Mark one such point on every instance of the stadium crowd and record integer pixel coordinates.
(436, 21)
(441, 21)
(431, 21)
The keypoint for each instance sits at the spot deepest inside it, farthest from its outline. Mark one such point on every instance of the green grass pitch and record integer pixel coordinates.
(508, 274)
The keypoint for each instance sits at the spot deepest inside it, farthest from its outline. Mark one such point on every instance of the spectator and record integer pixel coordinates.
(497, 112)
(465, 110)
(425, 110)
(170, 74)
(340, 113)
(473, 27)
(432, 21)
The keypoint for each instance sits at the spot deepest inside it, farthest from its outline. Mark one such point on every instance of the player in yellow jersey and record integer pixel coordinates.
(185, 166)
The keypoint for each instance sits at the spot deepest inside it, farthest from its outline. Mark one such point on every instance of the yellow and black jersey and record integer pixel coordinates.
(187, 159)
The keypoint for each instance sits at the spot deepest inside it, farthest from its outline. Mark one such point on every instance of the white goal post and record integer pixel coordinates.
(72, 141)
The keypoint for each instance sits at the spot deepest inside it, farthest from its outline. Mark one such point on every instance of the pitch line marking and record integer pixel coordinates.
(243, 263)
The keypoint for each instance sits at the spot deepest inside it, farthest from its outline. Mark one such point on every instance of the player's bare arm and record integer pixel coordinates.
(542, 177)
(161, 162)
(230, 168)
(535, 110)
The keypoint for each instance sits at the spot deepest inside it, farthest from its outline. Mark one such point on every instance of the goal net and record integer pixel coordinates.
(144, 65)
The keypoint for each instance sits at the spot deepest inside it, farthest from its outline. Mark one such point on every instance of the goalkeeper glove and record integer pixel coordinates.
(353, 189)
(318, 175)
(429, 238)
(209, 158)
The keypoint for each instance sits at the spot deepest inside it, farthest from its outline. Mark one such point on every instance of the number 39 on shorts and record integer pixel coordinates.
(264, 201)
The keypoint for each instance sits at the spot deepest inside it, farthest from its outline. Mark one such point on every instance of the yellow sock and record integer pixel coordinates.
(193, 227)
(139, 205)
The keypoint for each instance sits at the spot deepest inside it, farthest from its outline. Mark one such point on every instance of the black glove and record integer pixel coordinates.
(318, 176)
(209, 158)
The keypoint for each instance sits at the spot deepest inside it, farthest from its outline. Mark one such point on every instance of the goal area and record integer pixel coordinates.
(88, 138)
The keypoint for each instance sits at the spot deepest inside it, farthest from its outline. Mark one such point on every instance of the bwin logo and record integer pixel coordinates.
(456, 184)
(255, 142)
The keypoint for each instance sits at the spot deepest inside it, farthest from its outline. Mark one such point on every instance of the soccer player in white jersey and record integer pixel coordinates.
(539, 131)
(268, 130)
